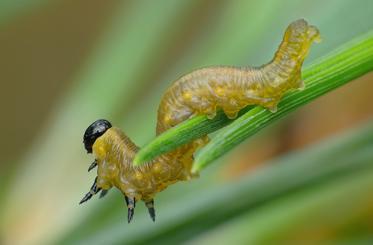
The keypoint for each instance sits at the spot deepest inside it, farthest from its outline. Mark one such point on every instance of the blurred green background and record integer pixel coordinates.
(65, 63)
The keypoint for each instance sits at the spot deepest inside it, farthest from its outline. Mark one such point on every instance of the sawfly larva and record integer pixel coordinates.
(202, 91)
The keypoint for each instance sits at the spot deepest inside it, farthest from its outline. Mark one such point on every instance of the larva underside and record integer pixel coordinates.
(200, 92)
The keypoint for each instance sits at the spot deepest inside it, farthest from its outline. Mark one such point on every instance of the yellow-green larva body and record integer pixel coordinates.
(202, 91)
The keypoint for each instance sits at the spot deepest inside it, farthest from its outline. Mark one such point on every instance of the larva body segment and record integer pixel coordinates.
(200, 92)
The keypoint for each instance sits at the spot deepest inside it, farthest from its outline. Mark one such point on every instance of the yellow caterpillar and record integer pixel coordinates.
(202, 91)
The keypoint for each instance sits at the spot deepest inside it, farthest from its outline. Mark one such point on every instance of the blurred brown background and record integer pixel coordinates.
(41, 50)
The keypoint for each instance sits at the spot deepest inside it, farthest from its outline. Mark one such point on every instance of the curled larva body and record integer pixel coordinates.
(200, 92)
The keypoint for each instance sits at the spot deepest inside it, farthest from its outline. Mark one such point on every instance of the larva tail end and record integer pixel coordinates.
(314, 34)
(300, 30)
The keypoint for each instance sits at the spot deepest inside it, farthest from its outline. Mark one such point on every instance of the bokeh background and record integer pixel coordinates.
(66, 63)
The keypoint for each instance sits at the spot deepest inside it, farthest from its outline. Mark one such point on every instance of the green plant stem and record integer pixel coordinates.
(341, 66)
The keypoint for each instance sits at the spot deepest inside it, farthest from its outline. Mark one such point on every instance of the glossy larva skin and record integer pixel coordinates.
(201, 92)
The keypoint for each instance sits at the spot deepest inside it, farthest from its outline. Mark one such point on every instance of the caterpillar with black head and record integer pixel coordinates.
(202, 91)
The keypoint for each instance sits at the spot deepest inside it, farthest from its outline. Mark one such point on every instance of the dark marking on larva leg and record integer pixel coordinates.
(93, 165)
(150, 206)
(94, 189)
(131, 204)
(103, 193)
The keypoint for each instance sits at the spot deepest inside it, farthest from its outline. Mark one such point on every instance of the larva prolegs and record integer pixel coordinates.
(231, 114)
(210, 112)
(198, 143)
(273, 108)
(301, 85)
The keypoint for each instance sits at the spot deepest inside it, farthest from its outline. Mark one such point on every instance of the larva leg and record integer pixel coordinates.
(103, 193)
(271, 104)
(206, 107)
(272, 108)
(94, 189)
(301, 85)
(93, 165)
(201, 142)
(131, 204)
(150, 206)
(231, 114)
(211, 113)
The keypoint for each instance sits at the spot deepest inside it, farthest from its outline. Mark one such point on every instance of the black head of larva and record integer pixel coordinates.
(94, 131)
